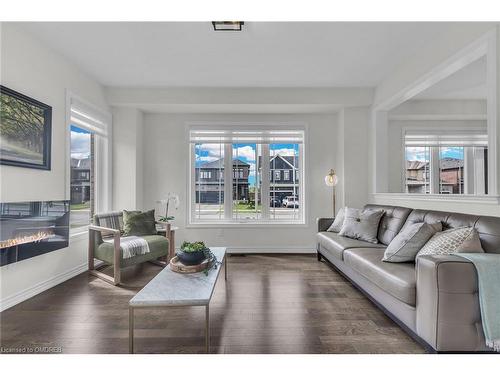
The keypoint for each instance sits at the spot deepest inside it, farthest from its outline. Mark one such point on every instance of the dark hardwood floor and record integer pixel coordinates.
(270, 304)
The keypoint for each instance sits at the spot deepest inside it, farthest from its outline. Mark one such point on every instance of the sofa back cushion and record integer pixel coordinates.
(488, 227)
(392, 221)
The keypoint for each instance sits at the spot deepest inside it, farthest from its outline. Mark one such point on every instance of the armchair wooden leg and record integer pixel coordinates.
(91, 249)
(117, 259)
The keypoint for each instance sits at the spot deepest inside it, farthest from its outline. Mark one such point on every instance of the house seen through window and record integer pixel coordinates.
(435, 165)
(81, 180)
(237, 190)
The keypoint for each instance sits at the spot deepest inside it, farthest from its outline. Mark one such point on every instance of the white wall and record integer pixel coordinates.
(352, 141)
(166, 170)
(127, 158)
(458, 36)
(32, 69)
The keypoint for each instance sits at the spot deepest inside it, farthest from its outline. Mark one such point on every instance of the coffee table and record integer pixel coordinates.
(172, 289)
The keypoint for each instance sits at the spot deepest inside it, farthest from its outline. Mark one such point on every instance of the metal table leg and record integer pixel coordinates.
(207, 328)
(131, 330)
(225, 268)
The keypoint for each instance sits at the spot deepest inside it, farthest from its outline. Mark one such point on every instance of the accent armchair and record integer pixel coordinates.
(105, 237)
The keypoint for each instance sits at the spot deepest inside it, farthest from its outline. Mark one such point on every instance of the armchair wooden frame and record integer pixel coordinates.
(93, 229)
(116, 278)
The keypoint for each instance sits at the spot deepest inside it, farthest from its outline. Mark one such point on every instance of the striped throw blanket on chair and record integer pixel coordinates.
(132, 246)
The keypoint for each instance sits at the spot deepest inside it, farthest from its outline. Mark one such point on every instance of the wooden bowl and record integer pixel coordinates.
(176, 266)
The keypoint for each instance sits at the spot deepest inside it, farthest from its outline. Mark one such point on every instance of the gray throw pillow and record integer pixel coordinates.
(337, 223)
(457, 240)
(361, 225)
(405, 246)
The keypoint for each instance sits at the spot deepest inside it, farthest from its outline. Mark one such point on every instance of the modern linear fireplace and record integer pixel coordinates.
(28, 229)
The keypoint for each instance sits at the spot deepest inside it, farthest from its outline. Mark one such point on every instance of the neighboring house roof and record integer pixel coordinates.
(291, 161)
(451, 163)
(219, 164)
(80, 163)
(445, 163)
(416, 164)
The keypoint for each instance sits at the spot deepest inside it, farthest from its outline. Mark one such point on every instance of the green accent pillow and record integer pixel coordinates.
(137, 223)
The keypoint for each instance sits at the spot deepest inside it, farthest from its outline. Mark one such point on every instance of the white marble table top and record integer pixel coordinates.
(172, 288)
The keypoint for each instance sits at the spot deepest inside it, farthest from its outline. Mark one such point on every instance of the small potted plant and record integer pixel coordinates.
(192, 253)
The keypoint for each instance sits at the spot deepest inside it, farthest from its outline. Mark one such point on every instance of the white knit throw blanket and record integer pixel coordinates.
(132, 246)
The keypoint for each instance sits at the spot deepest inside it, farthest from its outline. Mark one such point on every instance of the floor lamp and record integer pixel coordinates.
(331, 179)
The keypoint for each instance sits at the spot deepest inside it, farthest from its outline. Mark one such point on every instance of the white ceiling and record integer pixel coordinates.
(191, 54)
(467, 83)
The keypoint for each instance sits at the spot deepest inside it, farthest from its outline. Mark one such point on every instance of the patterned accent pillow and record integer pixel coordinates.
(405, 246)
(337, 223)
(456, 240)
(361, 225)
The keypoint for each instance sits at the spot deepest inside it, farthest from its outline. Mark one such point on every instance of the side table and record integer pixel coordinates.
(168, 231)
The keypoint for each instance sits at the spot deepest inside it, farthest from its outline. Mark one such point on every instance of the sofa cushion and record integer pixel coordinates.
(136, 223)
(456, 240)
(391, 222)
(405, 246)
(361, 224)
(397, 279)
(337, 222)
(158, 247)
(336, 244)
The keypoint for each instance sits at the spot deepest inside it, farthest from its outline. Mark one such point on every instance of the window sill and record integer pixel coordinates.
(79, 233)
(455, 198)
(245, 224)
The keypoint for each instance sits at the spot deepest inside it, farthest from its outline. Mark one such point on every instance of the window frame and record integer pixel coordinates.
(229, 221)
(102, 156)
(435, 185)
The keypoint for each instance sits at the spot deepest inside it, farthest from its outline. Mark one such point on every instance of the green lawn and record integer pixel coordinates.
(80, 206)
(245, 207)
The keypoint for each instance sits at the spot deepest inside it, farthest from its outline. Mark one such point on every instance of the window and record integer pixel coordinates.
(81, 184)
(89, 164)
(205, 175)
(285, 193)
(240, 193)
(417, 170)
(446, 163)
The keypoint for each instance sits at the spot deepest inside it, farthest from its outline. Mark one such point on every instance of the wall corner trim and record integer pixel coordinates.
(32, 291)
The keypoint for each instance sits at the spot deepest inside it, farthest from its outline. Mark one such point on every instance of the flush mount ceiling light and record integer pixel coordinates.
(228, 25)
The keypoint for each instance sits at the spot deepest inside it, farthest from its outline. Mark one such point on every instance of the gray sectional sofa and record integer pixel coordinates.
(434, 300)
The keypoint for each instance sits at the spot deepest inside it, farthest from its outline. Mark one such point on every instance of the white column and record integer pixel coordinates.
(469, 171)
(265, 191)
(434, 171)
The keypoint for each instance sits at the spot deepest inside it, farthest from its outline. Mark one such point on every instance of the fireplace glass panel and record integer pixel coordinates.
(28, 229)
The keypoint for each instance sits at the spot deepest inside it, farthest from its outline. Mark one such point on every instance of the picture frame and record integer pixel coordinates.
(25, 131)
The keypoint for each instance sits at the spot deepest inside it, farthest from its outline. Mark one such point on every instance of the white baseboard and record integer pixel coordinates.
(27, 293)
(270, 250)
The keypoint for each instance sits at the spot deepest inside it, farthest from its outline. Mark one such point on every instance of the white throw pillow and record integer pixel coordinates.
(361, 225)
(456, 240)
(337, 223)
(405, 246)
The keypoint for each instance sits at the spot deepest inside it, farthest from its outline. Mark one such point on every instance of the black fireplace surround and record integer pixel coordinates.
(28, 229)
